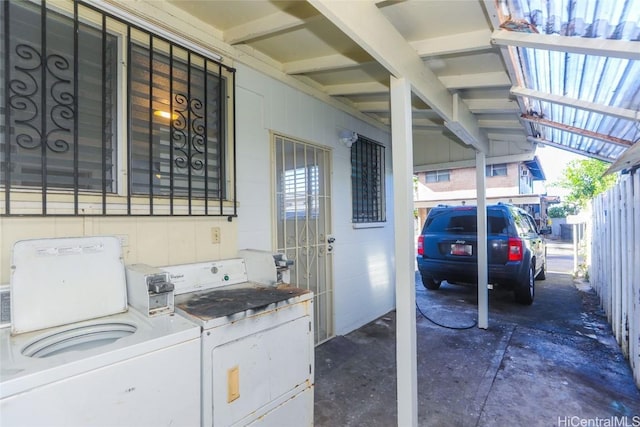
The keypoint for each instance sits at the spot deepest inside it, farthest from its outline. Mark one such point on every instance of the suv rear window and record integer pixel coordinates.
(464, 222)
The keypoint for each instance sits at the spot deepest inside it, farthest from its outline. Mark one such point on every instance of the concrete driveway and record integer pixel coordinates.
(554, 363)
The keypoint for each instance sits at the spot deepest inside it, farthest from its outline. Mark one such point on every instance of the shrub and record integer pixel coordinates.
(561, 211)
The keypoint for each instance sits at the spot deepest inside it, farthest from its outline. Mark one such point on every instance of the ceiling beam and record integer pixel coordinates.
(500, 124)
(272, 24)
(323, 63)
(437, 46)
(267, 25)
(476, 80)
(576, 130)
(365, 24)
(425, 112)
(492, 106)
(459, 43)
(418, 123)
(357, 88)
(628, 159)
(430, 128)
(385, 107)
(620, 113)
(373, 106)
(583, 45)
(426, 123)
(509, 56)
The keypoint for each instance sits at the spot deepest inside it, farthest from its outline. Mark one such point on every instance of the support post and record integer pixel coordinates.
(402, 153)
(483, 268)
(575, 248)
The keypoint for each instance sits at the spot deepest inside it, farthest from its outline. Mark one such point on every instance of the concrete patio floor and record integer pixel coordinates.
(554, 363)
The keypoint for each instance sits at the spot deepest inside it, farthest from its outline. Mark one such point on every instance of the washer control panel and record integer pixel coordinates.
(206, 275)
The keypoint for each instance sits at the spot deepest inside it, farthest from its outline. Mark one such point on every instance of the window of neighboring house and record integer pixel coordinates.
(301, 192)
(79, 101)
(367, 181)
(437, 176)
(496, 170)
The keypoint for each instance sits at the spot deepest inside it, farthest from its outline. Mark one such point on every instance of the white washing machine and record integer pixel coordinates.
(77, 355)
(257, 343)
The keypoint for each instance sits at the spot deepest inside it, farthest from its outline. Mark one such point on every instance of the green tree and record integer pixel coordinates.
(584, 179)
(561, 211)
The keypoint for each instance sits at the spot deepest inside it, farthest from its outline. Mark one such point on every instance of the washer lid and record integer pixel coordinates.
(59, 281)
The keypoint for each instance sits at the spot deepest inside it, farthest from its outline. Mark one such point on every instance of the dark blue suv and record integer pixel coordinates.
(447, 248)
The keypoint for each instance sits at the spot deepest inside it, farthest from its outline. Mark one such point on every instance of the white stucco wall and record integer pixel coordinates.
(364, 286)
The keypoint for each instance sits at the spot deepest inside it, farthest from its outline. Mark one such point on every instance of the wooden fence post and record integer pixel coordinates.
(615, 270)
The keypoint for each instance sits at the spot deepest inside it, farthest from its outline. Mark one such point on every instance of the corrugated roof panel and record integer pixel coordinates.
(606, 81)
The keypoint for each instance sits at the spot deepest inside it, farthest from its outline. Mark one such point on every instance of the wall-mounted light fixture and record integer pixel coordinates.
(348, 137)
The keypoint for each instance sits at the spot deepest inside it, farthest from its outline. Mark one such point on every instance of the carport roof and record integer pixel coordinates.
(579, 78)
(564, 73)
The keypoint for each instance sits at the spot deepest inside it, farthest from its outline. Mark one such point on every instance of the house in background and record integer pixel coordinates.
(510, 182)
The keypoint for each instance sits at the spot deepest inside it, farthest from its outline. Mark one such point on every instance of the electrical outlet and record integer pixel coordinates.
(215, 234)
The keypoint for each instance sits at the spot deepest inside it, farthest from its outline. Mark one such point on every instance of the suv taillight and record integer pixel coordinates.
(515, 249)
(420, 245)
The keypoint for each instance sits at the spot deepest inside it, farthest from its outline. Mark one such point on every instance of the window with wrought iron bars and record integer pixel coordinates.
(367, 181)
(81, 134)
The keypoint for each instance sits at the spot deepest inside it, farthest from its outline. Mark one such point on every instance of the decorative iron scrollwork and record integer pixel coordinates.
(23, 100)
(188, 133)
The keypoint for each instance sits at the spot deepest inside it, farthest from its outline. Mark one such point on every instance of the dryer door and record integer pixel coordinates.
(258, 372)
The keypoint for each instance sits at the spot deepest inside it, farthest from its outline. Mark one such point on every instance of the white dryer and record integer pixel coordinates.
(257, 343)
(77, 355)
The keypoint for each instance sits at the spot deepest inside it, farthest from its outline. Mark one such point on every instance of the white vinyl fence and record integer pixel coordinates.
(614, 270)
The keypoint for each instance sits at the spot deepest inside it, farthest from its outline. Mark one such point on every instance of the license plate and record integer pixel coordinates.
(458, 249)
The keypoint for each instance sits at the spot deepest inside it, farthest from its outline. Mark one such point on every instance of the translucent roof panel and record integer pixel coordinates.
(605, 81)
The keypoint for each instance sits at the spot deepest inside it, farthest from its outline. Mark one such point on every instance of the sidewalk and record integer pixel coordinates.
(559, 245)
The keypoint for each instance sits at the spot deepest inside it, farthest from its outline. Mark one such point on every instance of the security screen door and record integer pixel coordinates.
(303, 222)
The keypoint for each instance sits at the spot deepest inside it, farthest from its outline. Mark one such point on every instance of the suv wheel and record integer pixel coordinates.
(525, 291)
(429, 283)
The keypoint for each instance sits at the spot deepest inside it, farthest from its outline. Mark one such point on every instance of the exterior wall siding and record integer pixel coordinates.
(150, 240)
(363, 269)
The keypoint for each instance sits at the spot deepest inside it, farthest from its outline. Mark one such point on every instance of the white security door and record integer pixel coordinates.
(303, 222)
